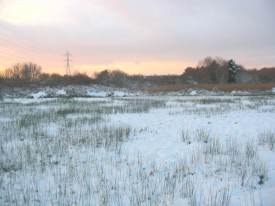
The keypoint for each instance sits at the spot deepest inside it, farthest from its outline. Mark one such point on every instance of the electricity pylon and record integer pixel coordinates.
(68, 63)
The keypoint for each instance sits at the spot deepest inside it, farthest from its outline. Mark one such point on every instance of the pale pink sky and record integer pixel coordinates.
(137, 36)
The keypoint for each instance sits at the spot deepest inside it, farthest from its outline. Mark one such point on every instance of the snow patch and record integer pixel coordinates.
(97, 94)
(38, 95)
(194, 92)
(120, 94)
(61, 92)
(239, 92)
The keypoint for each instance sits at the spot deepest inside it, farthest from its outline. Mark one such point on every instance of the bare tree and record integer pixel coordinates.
(27, 72)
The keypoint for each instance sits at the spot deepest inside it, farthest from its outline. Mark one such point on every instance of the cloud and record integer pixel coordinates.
(106, 32)
(33, 12)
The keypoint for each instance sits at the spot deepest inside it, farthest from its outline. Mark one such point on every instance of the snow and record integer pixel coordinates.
(239, 92)
(273, 90)
(116, 93)
(68, 91)
(38, 95)
(153, 153)
(4, 119)
(97, 94)
(163, 144)
(61, 92)
(120, 94)
(194, 92)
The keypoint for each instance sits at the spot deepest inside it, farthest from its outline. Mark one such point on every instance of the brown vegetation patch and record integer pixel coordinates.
(213, 87)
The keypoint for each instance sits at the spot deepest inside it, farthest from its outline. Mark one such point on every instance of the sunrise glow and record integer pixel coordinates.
(138, 37)
(28, 12)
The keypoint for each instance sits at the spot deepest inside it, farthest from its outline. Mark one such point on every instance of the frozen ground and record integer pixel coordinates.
(161, 150)
(69, 91)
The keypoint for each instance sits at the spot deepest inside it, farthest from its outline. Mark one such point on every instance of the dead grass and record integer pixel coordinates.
(213, 87)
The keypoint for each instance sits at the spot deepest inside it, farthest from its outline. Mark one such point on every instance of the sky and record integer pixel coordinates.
(136, 36)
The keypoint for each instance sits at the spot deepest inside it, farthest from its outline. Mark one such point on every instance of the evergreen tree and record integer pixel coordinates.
(232, 71)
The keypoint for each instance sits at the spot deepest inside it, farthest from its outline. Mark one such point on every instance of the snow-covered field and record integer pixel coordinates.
(160, 150)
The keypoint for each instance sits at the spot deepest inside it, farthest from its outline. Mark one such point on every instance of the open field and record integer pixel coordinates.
(160, 150)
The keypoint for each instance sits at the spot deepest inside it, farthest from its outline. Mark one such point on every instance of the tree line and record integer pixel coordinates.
(209, 70)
